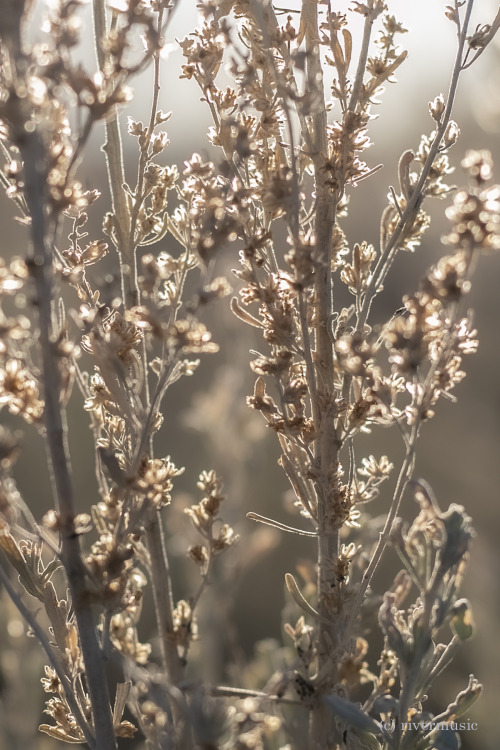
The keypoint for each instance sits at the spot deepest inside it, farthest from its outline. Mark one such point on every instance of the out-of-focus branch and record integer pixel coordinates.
(52, 656)
(40, 263)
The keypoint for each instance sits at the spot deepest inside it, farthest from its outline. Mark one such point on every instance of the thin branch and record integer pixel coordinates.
(417, 196)
(116, 172)
(363, 57)
(164, 604)
(403, 479)
(40, 263)
(396, 203)
(52, 656)
(277, 525)
(230, 692)
(144, 158)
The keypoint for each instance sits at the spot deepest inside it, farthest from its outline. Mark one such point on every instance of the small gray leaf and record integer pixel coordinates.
(351, 714)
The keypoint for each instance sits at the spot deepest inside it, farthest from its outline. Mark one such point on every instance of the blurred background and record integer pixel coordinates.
(207, 423)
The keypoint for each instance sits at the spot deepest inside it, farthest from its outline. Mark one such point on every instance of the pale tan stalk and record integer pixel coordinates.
(139, 191)
(363, 57)
(326, 444)
(163, 599)
(116, 175)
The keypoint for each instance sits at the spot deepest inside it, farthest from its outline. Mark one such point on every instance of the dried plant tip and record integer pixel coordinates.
(199, 554)
(244, 315)
(404, 173)
(466, 698)
(298, 597)
(462, 622)
(122, 728)
(436, 108)
(450, 135)
(459, 533)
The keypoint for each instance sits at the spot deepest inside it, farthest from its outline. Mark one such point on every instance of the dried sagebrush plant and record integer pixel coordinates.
(291, 129)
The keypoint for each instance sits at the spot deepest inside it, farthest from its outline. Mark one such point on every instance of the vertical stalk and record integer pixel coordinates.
(33, 151)
(326, 444)
(161, 585)
(363, 57)
(326, 455)
(116, 176)
(163, 599)
(40, 262)
(125, 229)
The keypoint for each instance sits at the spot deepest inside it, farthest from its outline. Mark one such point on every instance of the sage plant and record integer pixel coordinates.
(291, 108)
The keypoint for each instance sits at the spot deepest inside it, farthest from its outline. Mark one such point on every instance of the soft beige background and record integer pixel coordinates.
(459, 453)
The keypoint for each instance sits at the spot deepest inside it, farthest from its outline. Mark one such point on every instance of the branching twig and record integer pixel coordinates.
(418, 193)
(52, 656)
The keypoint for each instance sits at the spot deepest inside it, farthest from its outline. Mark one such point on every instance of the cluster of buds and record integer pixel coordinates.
(207, 521)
